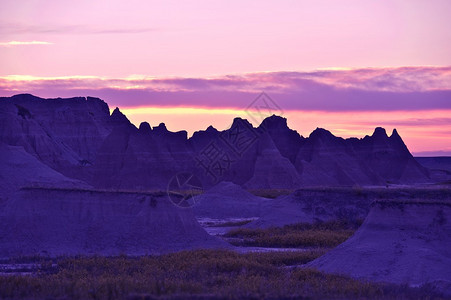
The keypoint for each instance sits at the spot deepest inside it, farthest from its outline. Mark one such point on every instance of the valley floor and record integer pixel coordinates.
(258, 269)
(198, 274)
(267, 263)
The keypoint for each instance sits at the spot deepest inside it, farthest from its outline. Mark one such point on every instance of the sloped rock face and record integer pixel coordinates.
(228, 155)
(140, 159)
(228, 200)
(399, 242)
(65, 134)
(287, 141)
(439, 167)
(272, 170)
(78, 123)
(327, 160)
(70, 221)
(310, 205)
(21, 169)
(45, 144)
(374, 160)
(320, 204)
(389, 158)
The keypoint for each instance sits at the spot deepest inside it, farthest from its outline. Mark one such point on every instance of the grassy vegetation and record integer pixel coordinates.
(196, 274)
(326, 234)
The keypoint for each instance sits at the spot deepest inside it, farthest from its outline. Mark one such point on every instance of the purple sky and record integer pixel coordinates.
(345, 65)
(208, 37)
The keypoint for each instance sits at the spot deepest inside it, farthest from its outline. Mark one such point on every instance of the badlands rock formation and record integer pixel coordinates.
(45, 145)
(78, 138)
(64, 160)
(75, 221)
(45, 213)
(65, 134)
(310, 205)
(21, 169)
(228, 200)
(439, 168)
(404, 242)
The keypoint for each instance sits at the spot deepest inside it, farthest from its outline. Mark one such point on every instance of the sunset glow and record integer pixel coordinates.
(421, 134)
(347, 66)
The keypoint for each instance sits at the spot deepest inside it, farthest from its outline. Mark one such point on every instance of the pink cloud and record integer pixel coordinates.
(387, 89)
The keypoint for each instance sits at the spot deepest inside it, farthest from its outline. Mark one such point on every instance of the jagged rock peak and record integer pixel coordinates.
(395, 134)
(396, 138)
(320, 133)
(274, 122)
(380, 132)
(160, 129)
(211, 129)
(240, 121)
(144, 127)
(117, 113)
(161, 126)
(117, 117)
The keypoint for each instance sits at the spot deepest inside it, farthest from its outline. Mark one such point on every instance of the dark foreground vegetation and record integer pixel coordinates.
(326, 234)
(270, 193)
(201, 274)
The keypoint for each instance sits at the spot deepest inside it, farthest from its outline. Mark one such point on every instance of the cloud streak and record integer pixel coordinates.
(20, 28)
(23, 43)
(385, 89)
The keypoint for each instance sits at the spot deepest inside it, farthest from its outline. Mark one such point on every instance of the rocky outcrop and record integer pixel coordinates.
(374, 160)
(439, 168)
(311, 205)
(399, 242)
(322, 204)
(78, 138)
(228, 200)
(389, 158)
(65, 134)
(45, 144)
(20, 169)
(140, 159)
(287, 141)
(66, 164)
(272, 170)
(41, 221)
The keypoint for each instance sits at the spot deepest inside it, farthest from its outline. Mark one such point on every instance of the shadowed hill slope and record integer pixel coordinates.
(40, 221)
(439, 167)
(45, 213)
(404, 242)
(227, 200)
(322, 204)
